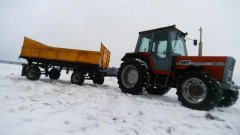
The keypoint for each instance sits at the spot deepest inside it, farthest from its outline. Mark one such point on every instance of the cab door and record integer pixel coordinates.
(161, 51)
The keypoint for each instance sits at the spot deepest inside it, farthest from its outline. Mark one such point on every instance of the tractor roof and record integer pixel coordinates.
(168, 28)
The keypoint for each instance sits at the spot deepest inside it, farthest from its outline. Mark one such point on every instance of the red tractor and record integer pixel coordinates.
(160, 62)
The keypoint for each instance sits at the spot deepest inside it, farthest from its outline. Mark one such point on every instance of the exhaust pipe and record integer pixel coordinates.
(200, 43)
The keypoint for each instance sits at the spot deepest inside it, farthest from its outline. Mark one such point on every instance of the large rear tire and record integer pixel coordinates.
(158, 91)
(229, 98)
(54, 74)
(133, 76)
(77, 78)
(197, 90)
(33, 73)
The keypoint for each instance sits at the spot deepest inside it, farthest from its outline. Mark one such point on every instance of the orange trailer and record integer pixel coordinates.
(44, 59)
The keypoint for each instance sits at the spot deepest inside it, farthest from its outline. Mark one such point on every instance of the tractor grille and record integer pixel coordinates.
(228, 70)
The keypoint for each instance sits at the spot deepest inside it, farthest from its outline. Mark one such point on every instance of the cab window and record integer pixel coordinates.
(145, 42)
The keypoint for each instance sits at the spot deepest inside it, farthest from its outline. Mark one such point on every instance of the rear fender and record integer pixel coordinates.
(134, 55)
(142, 56)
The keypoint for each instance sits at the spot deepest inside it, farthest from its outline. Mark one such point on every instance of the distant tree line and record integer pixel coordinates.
(10, 62)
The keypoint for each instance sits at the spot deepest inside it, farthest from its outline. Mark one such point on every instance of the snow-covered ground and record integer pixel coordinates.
(47, 107)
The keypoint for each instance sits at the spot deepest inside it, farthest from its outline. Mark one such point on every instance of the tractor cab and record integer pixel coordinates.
(163, 44)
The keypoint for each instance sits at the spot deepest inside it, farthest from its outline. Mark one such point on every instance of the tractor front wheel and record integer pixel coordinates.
(197, 90)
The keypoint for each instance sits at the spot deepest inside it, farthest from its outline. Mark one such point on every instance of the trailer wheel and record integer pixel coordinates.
(198, 91)
(99, 80)
(228, 98)
(54, 74)
(158, 91)
(77, 78)
(133, 76)
(33, 73)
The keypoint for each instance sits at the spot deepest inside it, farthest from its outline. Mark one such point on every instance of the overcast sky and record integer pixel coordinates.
(83, 24)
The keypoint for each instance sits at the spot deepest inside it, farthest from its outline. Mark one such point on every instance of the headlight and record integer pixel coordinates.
(228, 70)
(229, 76)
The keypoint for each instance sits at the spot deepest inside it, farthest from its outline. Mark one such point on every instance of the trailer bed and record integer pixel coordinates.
(44, 59)
(32, 49)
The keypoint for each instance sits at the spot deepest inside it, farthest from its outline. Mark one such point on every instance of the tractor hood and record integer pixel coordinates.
(220, 67)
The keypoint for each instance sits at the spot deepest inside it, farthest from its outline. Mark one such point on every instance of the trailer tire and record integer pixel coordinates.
(133, 76)
(54, 74)
(229, 98)
(196, 90)
(33, 73)
(99, 80)
(158, 91)
(77, 77)
(24, 69)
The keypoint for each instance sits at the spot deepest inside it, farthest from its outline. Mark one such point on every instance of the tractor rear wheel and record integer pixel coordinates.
(157, 91)
(133, 76)
(197, 90)
(228, 98)
(54, 74)
(33, 73)
(77, 78)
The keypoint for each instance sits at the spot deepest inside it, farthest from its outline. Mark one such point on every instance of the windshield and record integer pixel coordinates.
(178, 46)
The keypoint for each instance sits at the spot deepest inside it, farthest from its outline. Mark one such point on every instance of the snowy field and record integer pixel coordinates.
(47, 107)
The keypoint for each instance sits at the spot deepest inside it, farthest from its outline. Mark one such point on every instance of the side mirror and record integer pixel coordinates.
(195, 42)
